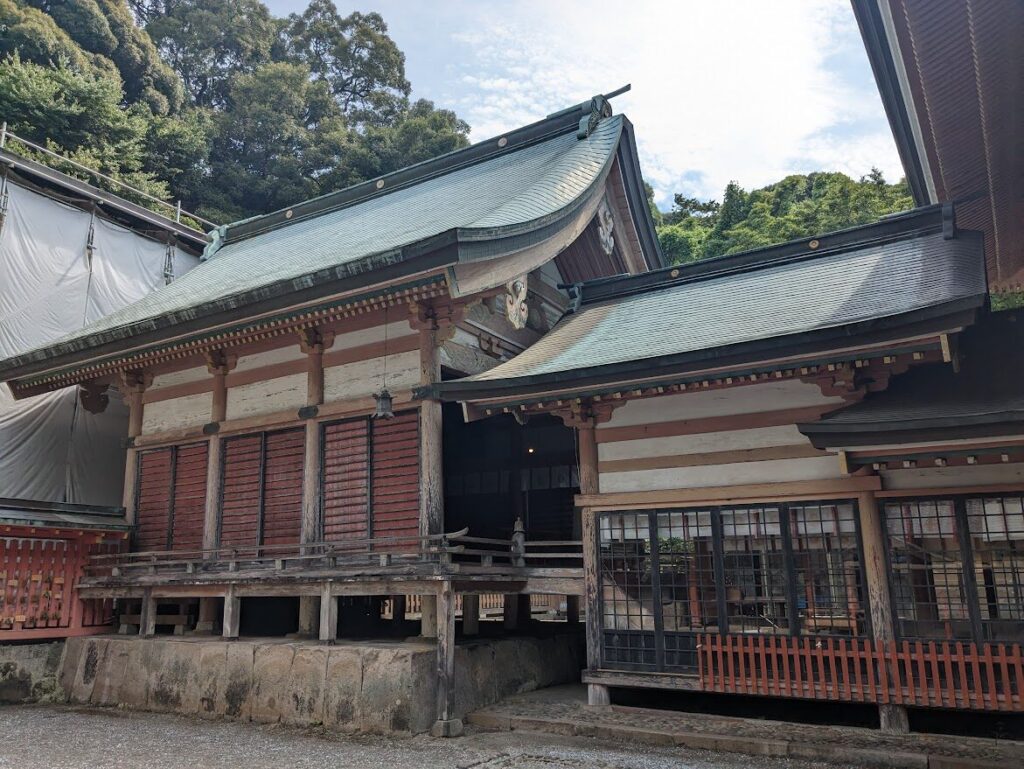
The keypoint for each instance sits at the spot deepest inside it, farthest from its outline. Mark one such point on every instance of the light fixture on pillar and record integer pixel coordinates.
(385, 405)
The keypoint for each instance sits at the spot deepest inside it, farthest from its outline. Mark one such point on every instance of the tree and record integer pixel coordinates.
(280, 132)
(98, 37)
(362, 67)
(796, 207)
(81, 115)
(209, 42)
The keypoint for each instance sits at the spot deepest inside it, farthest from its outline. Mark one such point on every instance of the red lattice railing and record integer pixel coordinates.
(38, 575)
(940, 674)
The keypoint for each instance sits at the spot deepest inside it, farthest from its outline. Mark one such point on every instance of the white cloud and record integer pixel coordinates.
(748, 91)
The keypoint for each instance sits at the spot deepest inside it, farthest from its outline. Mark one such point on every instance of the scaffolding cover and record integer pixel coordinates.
(61, 268)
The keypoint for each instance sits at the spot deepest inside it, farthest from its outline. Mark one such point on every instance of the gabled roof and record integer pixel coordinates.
(861, 285)
(935, 401)
(494, 198)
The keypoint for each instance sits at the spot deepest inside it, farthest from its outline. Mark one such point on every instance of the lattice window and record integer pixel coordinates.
(827, 568)
(927, 569)
(666, 576)
(627, 598)
(996, 526)
(754, 566)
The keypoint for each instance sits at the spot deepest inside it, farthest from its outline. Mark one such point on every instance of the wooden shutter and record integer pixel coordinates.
(395, 475)
(345, 499)
(371, 478)
(153, 499)
(282, 486)
(261, 496)
(171, 502)
(189, 509)
(241, 491)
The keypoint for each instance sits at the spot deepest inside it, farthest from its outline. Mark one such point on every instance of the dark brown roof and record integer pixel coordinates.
(951, 76)
(984, 398)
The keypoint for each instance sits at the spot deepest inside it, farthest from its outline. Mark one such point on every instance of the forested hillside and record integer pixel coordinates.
(796, 207)
(215, 101)
(238, 113)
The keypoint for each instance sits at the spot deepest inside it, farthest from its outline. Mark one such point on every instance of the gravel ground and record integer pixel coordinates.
(39, 737)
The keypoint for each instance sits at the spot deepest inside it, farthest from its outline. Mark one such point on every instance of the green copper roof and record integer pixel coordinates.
(487, 200)
(634, 327)
(509, 191)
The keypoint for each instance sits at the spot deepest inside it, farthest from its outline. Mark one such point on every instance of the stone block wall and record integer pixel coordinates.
(28, 672)
(369, 686)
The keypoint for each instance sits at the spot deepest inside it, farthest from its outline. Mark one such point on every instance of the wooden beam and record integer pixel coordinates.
(715, 424)
(949, 491)
(706, 458)
(837, 488)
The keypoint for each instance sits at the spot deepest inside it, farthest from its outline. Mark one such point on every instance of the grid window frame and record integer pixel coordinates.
(685, 570)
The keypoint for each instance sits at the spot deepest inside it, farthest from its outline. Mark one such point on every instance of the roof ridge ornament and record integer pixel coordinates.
(600, 108)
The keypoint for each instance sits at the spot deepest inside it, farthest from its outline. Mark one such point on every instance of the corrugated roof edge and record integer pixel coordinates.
(557, 124)
(913, 223)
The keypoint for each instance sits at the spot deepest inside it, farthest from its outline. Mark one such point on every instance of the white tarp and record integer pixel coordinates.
(50, 448)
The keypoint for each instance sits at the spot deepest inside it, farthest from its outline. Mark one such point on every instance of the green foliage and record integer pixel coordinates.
(234, 111)
(209, 42)
(1008, 300)
(81, 115)
(362, 67)
(797, 207)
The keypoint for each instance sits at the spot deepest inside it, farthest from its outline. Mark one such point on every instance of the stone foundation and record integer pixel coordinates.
(351, 686)
(28, 672)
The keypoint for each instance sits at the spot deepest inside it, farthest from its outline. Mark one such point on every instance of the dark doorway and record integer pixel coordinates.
(269, 617)
(497, 470)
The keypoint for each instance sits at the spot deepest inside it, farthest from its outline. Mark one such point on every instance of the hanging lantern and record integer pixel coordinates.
(385, 408)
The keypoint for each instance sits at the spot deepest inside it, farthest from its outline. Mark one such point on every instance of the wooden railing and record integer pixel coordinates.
(449, 552)
(941, 674)
(37, 588)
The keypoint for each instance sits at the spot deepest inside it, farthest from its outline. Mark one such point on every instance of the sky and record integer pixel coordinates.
(730, 90)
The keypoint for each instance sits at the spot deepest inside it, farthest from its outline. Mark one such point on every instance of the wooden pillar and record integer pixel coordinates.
(313, 342)
(590, 484)
(207, 616)
(431, 467)
(470, 614)
(232, 614)
(218, 364)
(147, 615)
(446, 725)
(309, 609)
(893, 718)
(132, 388)
(428, 616)
(328, 615)
(398, 608)
(510, 615)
